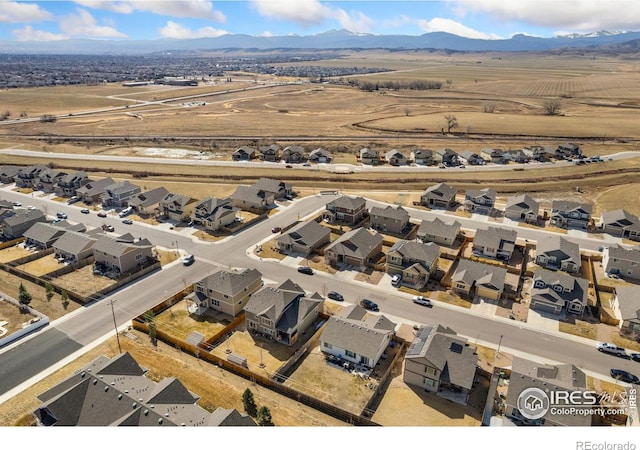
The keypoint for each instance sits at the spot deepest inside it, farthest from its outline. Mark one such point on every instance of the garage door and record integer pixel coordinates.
(544, 308)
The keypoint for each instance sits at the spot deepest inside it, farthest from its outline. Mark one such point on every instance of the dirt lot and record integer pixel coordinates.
(83, 281)
(12, 253)
(11, 314)
(180, 323)
(41, 266)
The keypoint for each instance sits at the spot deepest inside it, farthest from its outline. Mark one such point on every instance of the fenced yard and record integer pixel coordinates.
(177, 321)
(83, 282)
(11, 319)
(12, 253)
(41, 266)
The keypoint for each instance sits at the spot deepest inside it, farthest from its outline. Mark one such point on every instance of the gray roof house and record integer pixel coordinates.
(48, 179)
(6, 204)
(73, 246)
(122, 255)
(389, 219)
(527, 374)
(304, 238)
(345, 209)
(8, 174)
(282, 313)
(396, 158)
(42, 234)
(148, 202)
(244, 153)
(440, 195)
(558, 253)
(356, 336)
(568, 214)
(369, 157)
(439, 361)
(177, 206)
(214, 213)
(251, 198)
(118, 194)
(471, 158)
(227, 291)
(495, 242)
(277, 188)
(117, 392)
(621, 261)
(480, 201)
(29, 176)
(438, 231)
(92, 190)
(522, 208)
(320, 155)
(356, 247)
(626, 307)
(269, 152)
(621, 223)
(68, 184)
(475, 279)
(414, 261)
(551, 292)
(447, 157)
(294, 154)
(14, 222)
(423, 157)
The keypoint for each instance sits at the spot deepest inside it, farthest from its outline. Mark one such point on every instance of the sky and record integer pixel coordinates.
(183, 19)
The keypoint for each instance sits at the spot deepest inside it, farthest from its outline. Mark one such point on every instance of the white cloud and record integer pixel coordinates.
(15, 12)
(356, 21)
(29, 34)
(84, 24)
(199, 9)
(173, 30)
(453, 27)
(266, 34)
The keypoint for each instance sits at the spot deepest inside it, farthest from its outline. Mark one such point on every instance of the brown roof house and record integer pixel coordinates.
(177, 207)
(480, 201)
(555, 292)
(558, 253)
(356, 247)
(438, 232)
(439, 195)
(568, 214)
(213, 213)
(350, 210)
(356, 336)
(621, 261)
(227, 291)
(439, 361)
(148, 203)
(474, 279)
(626, 307)
(122, 255)
(68, 184)
(282, 313)
(14, 222)
(117, 392)
(91, 191)
(414, 261)
(621, 223)
(389, 219)
(495, 242)
(303, 238)
(522, 208)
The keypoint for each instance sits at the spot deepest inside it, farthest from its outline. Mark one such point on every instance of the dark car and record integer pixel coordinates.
(127, 221)
(276, 229)
(306, 270)
(333, 295)
(106, 227)
(102, 214)
(635, 357)
(368, 304)
(625, 376)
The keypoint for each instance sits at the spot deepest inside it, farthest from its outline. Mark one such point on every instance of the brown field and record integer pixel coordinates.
(13, 317)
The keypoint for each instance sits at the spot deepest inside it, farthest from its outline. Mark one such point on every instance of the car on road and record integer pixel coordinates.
(276, 229)
(17, 204)
(73, 199)
(420, 300)
(635, 357)
(107, 227)
(31, 207)
(102, 214)
(288, 166)
(333, 295)
(306, 270)
(61, 215)
(369, 304)
(625, 376)
(127, 221)
(187, 260)
(611, 349)
(85, 211)
(306, 165)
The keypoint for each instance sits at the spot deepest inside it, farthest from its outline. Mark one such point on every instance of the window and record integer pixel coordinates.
(429, 382)
(139, 257)
(461, 286)
(557, 288)
(430, 371)
(199, 289)
(252, 324)
(215, 303)
(327, 345)
(264, 321)
(226, 296)
(350, 354)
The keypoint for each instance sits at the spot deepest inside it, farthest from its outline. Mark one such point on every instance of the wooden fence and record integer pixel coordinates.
(31, 257)
(11, 243)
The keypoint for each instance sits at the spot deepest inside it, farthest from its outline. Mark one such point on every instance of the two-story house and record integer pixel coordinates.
(350, 210)
(389, 219)
(277, 188)
(474, 279)
(422, 157)
(495, 155)
(244, 153)
(303, 238)
(438, 231)
(14, 222)
(369, 156)
(480, 201)
(320, 155)
(439, 195)
(621, 261)
(68, 184)
(396, 158)
(250, 198)
(558, 253)
(357, 247)
(414, 261)
(447, 157)
(269, 153)
(294, 154)
(471, 158)
(28, 177)
(48, 179)
(495, 242)
(569, 149)
(522, 208)
(8, 174)
(74, 247)
(148, 203)
(213, 213)
(626, 307)
(177, 207)
(91, 191)
(621, 223)
(118, 194)
(227, 291)
(568, 214)
(552, 292)
(122, 255)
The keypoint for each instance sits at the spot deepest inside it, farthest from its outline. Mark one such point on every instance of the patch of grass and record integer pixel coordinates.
(623, 342)
(580, 328)
(269, 251)
(448, 297)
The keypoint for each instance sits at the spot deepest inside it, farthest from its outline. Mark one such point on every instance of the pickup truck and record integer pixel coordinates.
(611, 349)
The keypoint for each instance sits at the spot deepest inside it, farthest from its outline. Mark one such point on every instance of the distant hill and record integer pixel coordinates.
(334, 39)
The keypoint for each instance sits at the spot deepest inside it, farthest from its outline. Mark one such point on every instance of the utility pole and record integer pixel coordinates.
(115, 324)
(499, 344)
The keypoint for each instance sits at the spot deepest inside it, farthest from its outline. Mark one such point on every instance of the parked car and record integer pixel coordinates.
(31, 207)
(127, 221)
(187, 260)
(333, 295)
(85, 211)
(61, 215)
(289, 166)
(611, 349)
(125, 212)
(395, 280)
(102, 214)
(368, 304)
(635, 357)
(73, 199)
(625, 376)
(420, 300)
(106, 227)
(306, 270)
(276, 229)
(17, 204)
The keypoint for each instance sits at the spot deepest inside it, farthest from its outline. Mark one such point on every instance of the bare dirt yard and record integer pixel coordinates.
(83, 281)
(11, 318)
(12, 253)
(41, 266)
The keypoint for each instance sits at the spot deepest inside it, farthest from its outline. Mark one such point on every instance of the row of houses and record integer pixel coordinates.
(293, 154)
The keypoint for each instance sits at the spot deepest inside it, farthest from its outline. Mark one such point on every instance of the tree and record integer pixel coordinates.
(264, 417)
(48, 290)
(150, 318)
(407, 111)
(23, 297)
(452, 122)
(249, 403)
(552, 107)
(65, 299)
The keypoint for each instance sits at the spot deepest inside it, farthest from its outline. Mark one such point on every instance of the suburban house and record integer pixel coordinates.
(540, 152)
(389, 219)
(6, 204)
(471, 158)
(474, 279)
(527, 374)
(422, 157)
(438, 232)
(552, 291)
(91, 191)
(294, 154)
(414, 261)
(148, 203)
(626, 307)
(522, 208)
(118, 194)
(558, 253)
(68, 184)
(621, 261)
(122, 255)
(14, 222)
(369, 157)
(350, 210)
(227, 291)
(495, 155)
(439, 195)
(320, 155)
(73, 246)
(8, 174)
(269, 153)
(277, 188)
(395, 158)
(439, 361)
(213, 213)
(447, 157)
(518, 155)
(356, 336)
(28, 177)
(569, 149)
(48, 179)
(43, 235)
(356, 247)
(621, 223)
(495, 242)
(117, 392)
(244, 153)
(480, 201)
(567, 214)
(303, 238)
(282, 313)
(251, 199)
(177, 207)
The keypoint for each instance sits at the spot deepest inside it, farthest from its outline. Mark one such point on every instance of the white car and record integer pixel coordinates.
(395, 280)
(420, 300)
(611, 349)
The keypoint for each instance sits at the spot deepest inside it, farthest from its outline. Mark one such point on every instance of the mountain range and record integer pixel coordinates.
(334, 39)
